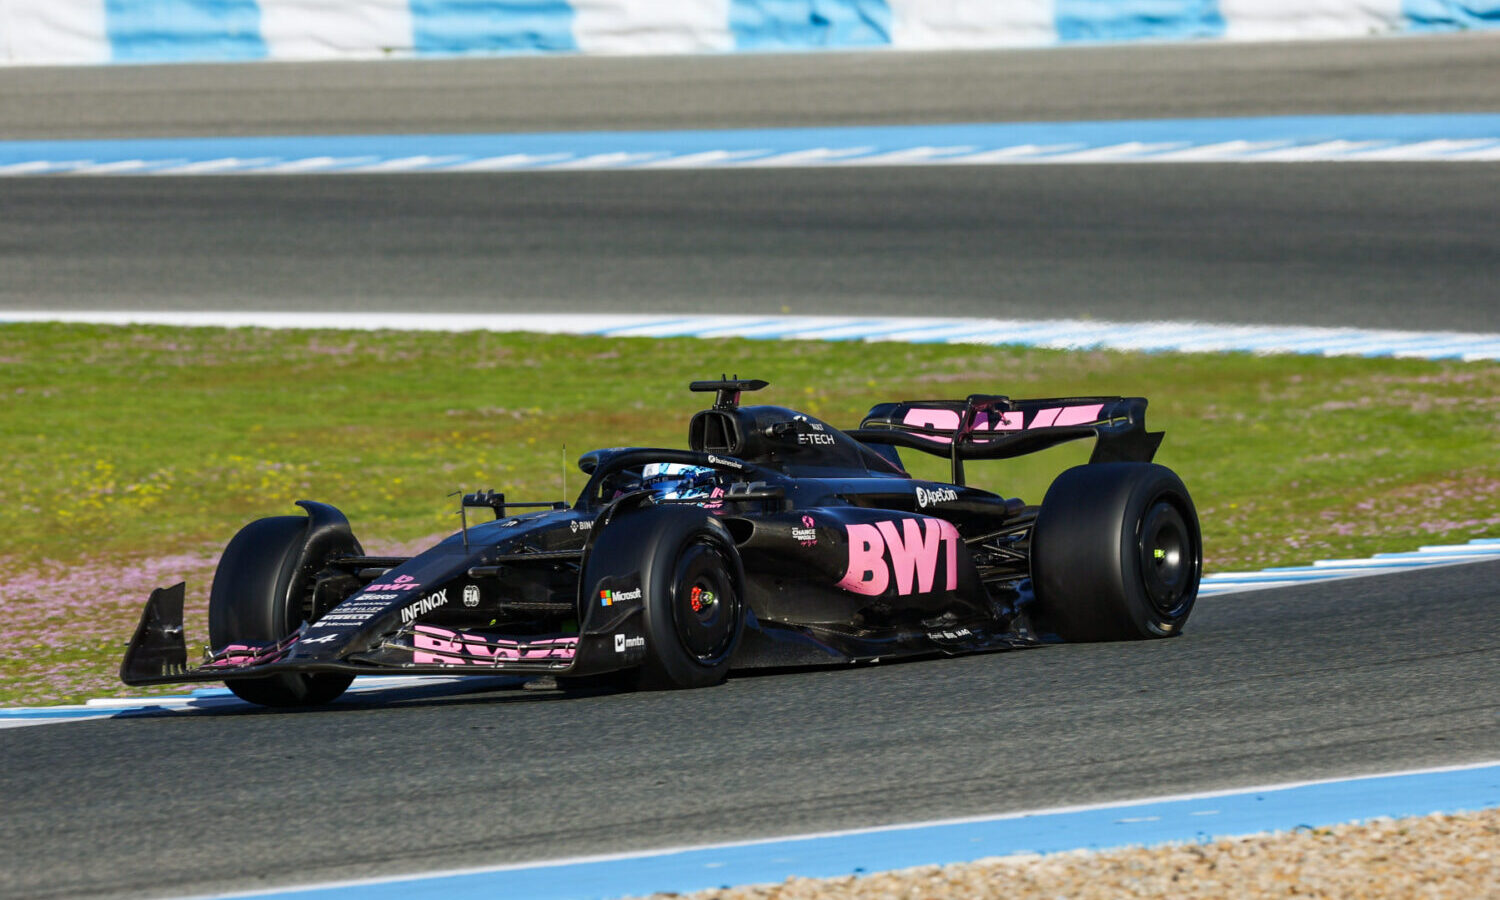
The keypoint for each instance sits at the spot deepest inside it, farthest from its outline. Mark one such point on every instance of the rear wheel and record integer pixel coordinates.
(694, 611)
(260, 594)
(1116, 554)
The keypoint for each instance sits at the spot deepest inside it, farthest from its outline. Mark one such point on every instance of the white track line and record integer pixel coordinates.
(587, 158)
(1180, 337)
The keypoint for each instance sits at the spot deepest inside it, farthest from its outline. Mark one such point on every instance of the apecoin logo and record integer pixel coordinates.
(926, 498)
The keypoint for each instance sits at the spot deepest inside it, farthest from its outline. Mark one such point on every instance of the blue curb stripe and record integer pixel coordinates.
(182, 30)
(1150, 822)
(445, 27)
(622, 329)
(809, 24)
(167, 31)
(1451, 15)
(60, 713)
(866, 329)
(1142, 141)
(1132, 20)
(1058, 334)
(1476, 550)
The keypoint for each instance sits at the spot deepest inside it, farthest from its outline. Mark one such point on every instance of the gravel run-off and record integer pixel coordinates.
(1435, 856)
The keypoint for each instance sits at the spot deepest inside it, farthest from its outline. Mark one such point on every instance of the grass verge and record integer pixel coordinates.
(128, 456)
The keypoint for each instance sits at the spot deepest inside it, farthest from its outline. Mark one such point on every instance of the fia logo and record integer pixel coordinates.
(471, 595)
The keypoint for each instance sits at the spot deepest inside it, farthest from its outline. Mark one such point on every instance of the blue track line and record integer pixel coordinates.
(333, 154)
(1147, 822)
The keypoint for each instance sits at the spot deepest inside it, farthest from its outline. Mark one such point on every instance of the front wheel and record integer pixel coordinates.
(694, 609)
(259, 594)
(1116, 554)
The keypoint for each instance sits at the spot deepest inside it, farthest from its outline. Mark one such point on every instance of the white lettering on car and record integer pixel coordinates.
(935, 496)
(425, 605)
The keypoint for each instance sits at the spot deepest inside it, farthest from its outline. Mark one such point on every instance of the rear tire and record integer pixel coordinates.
(693, 606)
(1116, 554)
(259, 595)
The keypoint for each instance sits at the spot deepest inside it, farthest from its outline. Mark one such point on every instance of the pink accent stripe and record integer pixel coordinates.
(240, 656)
(1045, 417)
(1079, 415)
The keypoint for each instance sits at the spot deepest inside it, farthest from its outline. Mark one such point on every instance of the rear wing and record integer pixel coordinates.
(994, 427)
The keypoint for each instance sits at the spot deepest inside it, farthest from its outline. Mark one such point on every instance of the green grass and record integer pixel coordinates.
(119, 445)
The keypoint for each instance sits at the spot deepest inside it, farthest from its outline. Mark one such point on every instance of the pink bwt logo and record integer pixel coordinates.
(402, 583)
(439, 646)
(878, 553)
(238, 655)
(949, 420)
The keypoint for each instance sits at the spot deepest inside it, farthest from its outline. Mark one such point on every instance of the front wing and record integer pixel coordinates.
(158, 652)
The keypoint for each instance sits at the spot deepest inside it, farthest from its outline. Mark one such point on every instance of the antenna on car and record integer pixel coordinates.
(463, 517)
(565, 471)
(728, 389)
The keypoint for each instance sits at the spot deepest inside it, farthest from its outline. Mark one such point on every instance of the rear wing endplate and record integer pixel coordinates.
(985, 426)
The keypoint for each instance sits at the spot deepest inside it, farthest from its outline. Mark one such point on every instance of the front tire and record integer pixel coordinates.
(1116, 554)
(259, 594)
(694, 606)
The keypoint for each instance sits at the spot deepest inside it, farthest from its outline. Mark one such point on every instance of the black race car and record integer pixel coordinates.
(774, 540)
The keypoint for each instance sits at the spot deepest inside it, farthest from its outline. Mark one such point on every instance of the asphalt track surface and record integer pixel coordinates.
(1373, 245)
(1326, 680)
(1404, 246)
(1449, 73)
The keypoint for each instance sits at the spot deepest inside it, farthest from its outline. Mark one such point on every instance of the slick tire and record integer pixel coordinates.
(693, 600)
(259, 595)
(1116, 554)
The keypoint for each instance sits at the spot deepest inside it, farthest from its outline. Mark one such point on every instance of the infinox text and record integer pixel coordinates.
(425, 605)
(949, 420)
(880, 552)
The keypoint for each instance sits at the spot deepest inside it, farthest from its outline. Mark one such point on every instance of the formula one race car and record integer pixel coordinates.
(774, 540)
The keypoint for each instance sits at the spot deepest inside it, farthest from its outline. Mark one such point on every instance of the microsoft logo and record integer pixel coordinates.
(610, 598)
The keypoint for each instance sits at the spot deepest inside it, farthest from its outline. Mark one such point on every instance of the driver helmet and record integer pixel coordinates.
(677, 481)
